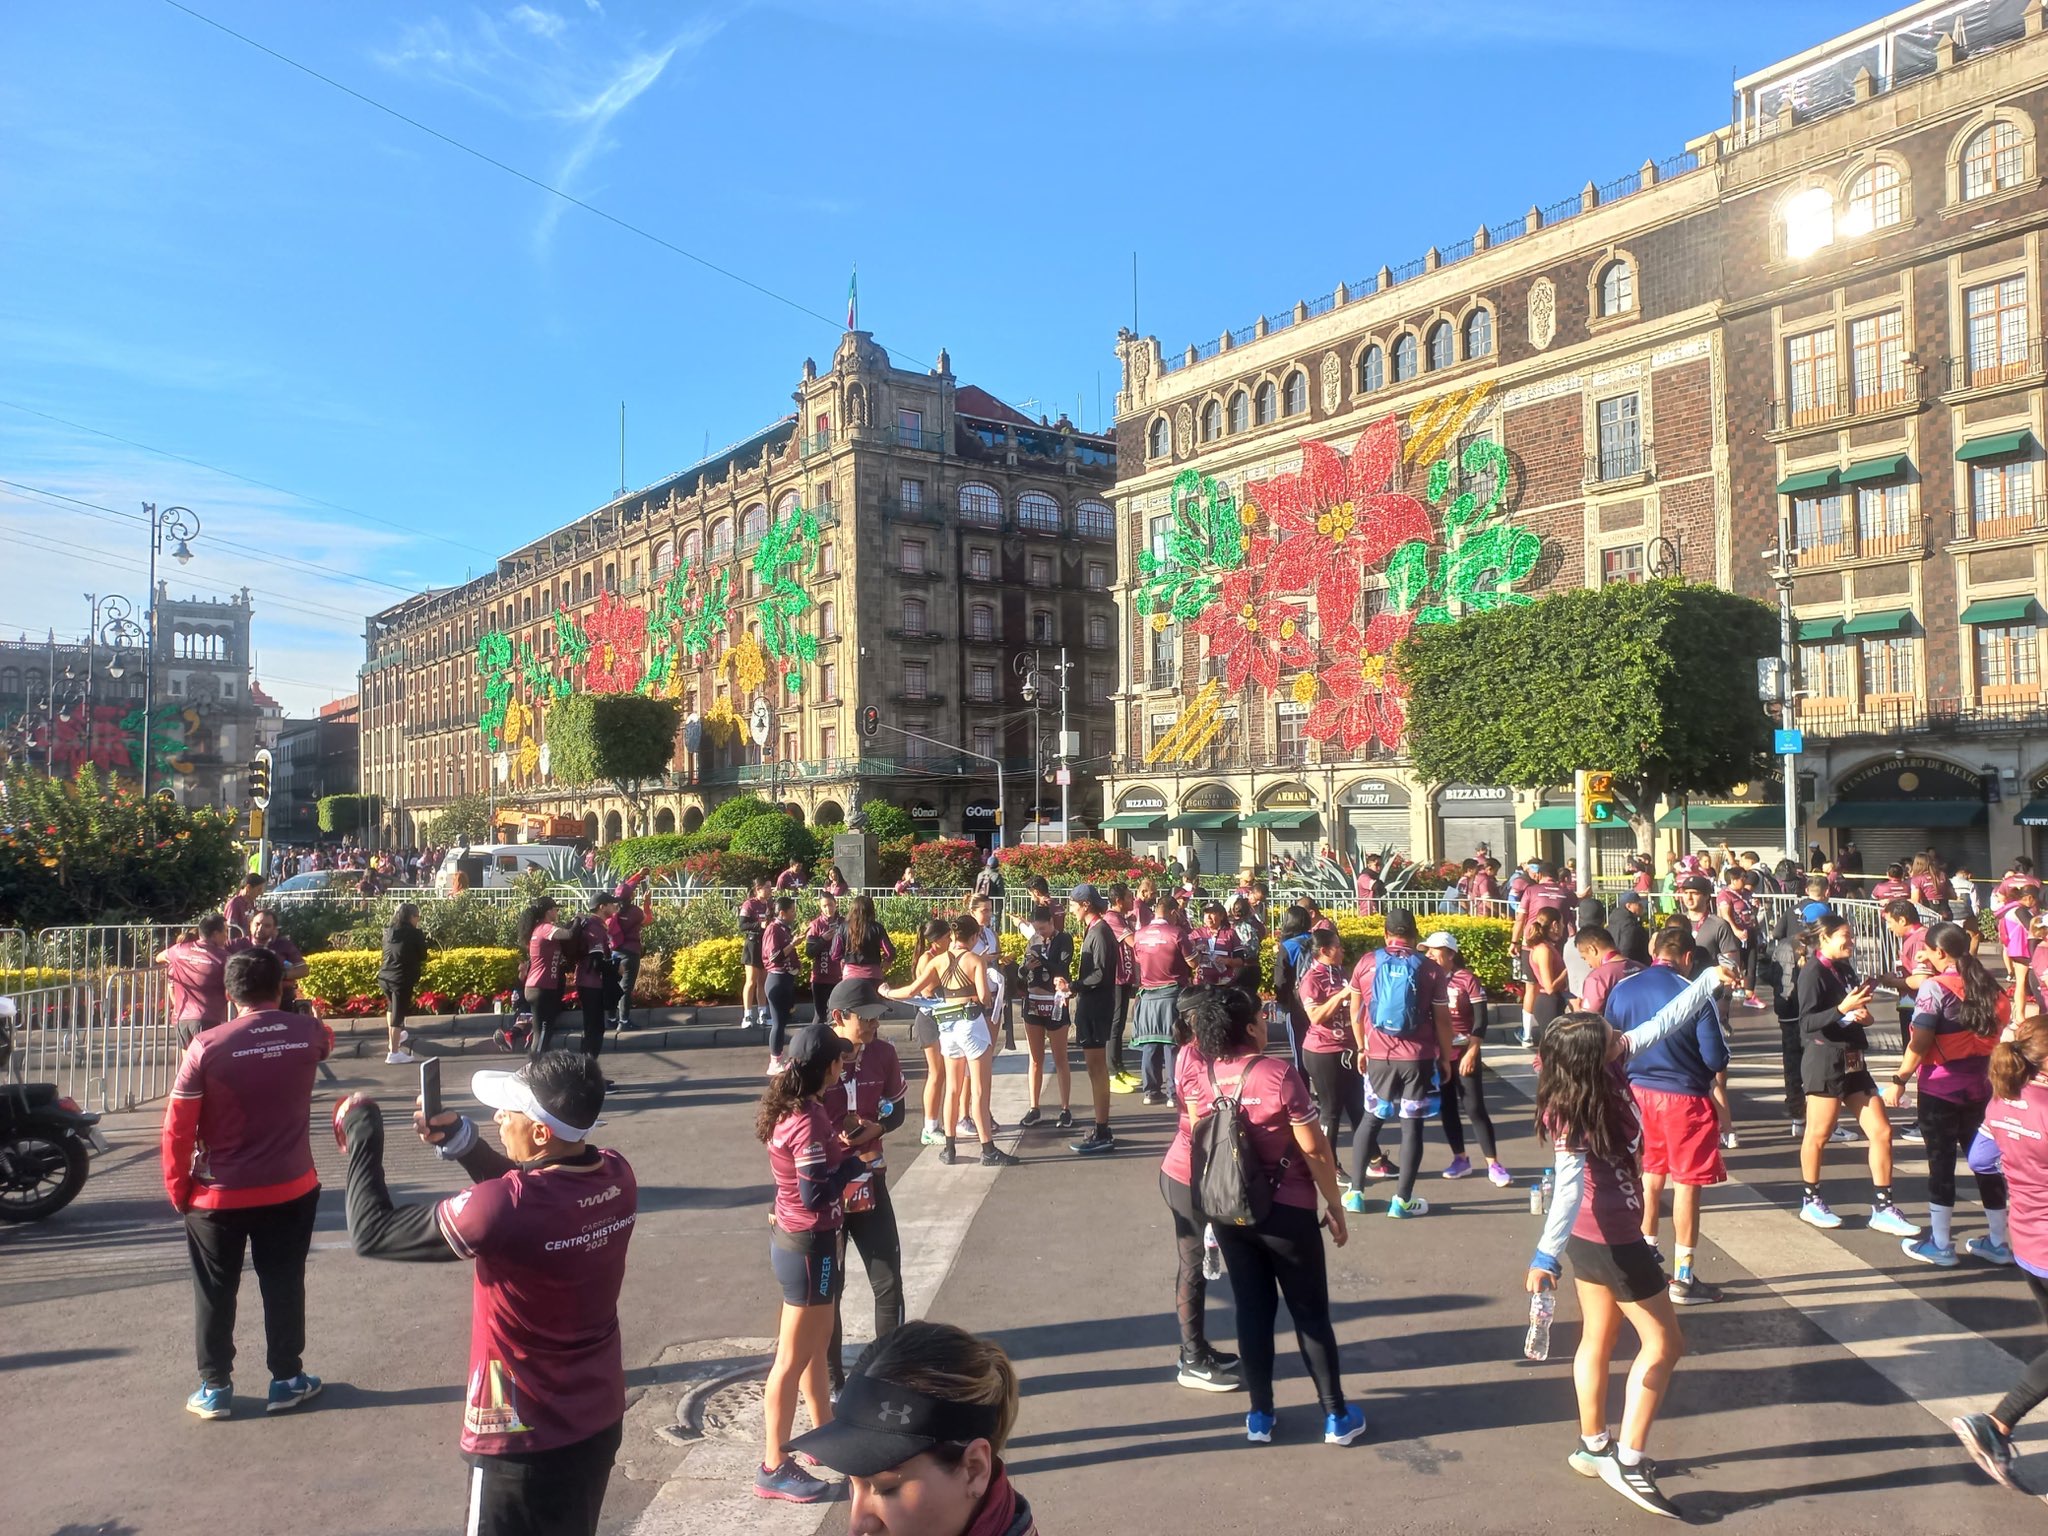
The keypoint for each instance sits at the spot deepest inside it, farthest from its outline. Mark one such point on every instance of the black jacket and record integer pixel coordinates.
(1821, 990)
(405, 956)
(1629, 936)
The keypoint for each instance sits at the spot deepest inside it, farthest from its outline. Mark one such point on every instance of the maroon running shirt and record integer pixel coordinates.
(805, 1139)
(1275, 1100)
(198, 975)
(1320, 982)
(544, 960)
(234, 1133)
(545, 1368)
(874, 1080)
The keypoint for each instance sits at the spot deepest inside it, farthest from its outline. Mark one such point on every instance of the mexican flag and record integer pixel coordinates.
(852, 299)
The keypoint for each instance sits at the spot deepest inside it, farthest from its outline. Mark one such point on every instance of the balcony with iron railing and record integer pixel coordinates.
(893, 435)
(917, 573)
(922, 636)
(1998, 365)
(2013, 517)
(912, 509)
(1893, 717)
(1621, 464)
(1162, 677)
(917, 696)
(1045, 525)
(985, 634)
(815, 443)
(1833, 542)
(981, 578)
(1862, 396)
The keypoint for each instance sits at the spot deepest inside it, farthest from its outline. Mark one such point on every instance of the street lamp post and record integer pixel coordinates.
(1783, 559)
(180, 525)
(113, 625)
(1038, 676)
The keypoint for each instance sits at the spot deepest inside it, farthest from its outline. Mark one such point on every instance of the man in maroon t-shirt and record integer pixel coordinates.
(547, 1227)
(1399, 1057)
(240, 910)
(238, 1167)
(1605, 965)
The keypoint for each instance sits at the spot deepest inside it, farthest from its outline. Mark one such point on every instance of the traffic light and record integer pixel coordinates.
(1597, 807)
(870, 721)
(259, 779)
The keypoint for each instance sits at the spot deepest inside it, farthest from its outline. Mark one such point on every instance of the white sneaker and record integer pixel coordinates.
(1730, 1141)
(776, 1067)
(399, 1058)
(1844, 1134)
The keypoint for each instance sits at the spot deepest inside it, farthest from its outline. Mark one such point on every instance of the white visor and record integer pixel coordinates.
(508, 1090)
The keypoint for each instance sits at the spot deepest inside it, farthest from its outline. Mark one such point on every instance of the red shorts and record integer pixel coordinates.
(1681, 1136)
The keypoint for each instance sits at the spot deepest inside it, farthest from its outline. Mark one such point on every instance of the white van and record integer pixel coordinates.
(495, 866)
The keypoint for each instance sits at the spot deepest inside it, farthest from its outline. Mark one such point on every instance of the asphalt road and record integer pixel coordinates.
(1794, 1411)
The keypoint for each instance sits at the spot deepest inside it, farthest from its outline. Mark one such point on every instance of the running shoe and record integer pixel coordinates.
(775, 1068)
(1258, 1427)
(1065, 1121)
(1843, 1134)
(1587, 1463)
(1730, 1141)
(1815, 1213)
(1380, 1168)
(1637, 1484)
(1461, 1165)
(1692, 1291)
(1913, 1134)
(1153, 1098)
(792, 1484)
(1123, 1082)
(1889, 1218)
(948, 1155)
(1927, 1251)
(1099, 1139)
(1029, 1118)
(1354, 1202)
(1343, 1428)
(399, 1058)
(211, 1402)
(1989, 1249)
(1987, 1447)
(287, 1395)
(993, 1156)
(1203, 1371)
(1527, 1040)
(931, 1136)
(1400, 1209)
(1499, 1176)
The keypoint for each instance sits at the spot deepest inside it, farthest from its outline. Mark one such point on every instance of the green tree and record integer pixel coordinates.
(886, 823)
(346, 813)
(85, 851)
(620, 739)
(465, 819)
(731, 814)
(1655, 683)
(776, 836)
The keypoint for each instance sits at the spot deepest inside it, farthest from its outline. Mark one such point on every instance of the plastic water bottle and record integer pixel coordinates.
(1549, 1186)
(1542, 1307)
(1535, 1197)
(1212, 1254)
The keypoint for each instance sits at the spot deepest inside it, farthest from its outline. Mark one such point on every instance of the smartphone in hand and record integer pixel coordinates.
(430, 1088)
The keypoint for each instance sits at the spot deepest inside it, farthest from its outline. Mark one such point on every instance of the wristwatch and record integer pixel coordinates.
(1898, 1082)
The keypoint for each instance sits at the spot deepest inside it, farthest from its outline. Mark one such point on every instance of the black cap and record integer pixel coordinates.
(1085, 893)
(857, 995)
(1698, 884)
(1632, 898)
(877, 1425)
(815, 1043)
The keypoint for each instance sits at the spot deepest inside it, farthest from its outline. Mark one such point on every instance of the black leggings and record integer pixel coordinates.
(881, 1255)
(781, 998)
(1949, 1128)
(1282, 1257)
(1365, 1147)
(2032, 1386)
(543, 1493)
(1190, 1285)
(1793, 1050)
(546, 1005)
(1471, 1096)
(1339, 1090)
(597, 1013)
(1125, 996)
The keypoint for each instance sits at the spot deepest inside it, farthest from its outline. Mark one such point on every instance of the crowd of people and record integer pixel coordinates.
(1162, 992)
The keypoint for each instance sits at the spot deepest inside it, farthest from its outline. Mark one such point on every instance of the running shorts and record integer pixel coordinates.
(1094, 1016)
(924, 1030)
(750, 949)
(1631, 1270)
(964, 1036)
(807, 1265)
(1400, 1090)
(1831, 1071)
(1681, 1136)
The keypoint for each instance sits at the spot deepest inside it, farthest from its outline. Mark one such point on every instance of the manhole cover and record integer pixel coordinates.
(733, 1412)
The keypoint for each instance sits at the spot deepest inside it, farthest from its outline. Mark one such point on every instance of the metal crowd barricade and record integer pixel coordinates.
(87, 948)
(138, 1039)
(1877, 951)
(53, 1037)
(14, 949)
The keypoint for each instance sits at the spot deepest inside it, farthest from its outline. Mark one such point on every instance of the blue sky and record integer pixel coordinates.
(421, 359)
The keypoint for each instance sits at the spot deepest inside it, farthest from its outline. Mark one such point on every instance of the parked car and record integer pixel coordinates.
(315, 882)
(497, 865)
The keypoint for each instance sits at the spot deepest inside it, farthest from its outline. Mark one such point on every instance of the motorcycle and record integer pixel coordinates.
(46, 1141)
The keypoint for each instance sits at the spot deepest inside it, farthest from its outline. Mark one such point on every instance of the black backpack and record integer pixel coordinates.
(1231, 1187)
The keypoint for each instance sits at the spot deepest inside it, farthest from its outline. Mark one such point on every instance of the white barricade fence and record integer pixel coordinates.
(107, 1041)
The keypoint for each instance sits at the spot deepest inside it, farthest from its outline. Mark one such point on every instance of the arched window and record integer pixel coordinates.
(785, 505)
(693, 546)
(1038, 513)
(1404, 357)
(1295, 394)
(721, 538)
(1443, 351)
(1372, 369)
(1092, 520)
(1994, 159)
(1240, 411)
(753, 525)
(1479, 333)
(1212, 421)
(1264, 401)
(1041, 626)
(1617, 288)
(828, 620)
(913, 615)
(1876, 200)
(1162, 439)
(664, 557)
(981, 504)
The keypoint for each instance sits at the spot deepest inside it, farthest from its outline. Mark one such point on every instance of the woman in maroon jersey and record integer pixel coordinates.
(1549, 982)
(541, 936)
(779, 958)
(196, 965)
(1203, 1368)
(812, 1160)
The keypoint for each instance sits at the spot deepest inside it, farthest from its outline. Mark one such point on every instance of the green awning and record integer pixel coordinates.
(1286, 821)
(1890, 467)
(2033, 814)
(1820, 629)
(1551, 818)
(1886, 621)
(1204, 821)
(1810, 480)
(1863, 815)
(2001, 610)
(1134, 823)
(2003, 446)
(1726, 818)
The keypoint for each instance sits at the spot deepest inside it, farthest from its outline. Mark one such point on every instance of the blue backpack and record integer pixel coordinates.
(1397, 1008)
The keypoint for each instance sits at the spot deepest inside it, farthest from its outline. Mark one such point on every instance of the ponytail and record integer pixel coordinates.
(1981, 993)
(786, 1093)
(2020, 1058)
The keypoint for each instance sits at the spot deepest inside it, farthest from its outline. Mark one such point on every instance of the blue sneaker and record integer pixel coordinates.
(1401, 1209)
(1354, 1202)
(1815, 1213)
(211, 1402)
(792, 1484)
(1258, 1427)
(1343, 1428)
(287, 1395)
(1989, 1249)
(1889, 1218)
(1927, 1251)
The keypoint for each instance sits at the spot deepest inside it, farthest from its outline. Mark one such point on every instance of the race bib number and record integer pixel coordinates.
(860, 1195)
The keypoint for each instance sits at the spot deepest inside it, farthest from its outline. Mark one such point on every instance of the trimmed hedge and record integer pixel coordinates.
(32, 979)
(1482, 941)
(336, 975)
(709, 972)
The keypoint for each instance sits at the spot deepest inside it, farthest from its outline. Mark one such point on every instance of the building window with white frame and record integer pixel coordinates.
(1479, 334)
(981, 683)
(1290, 746)
(2008, 661)
(1877, 360)
(1098, 630)
(1041, 626)
(1877, 200)
(981, 622)
(916, 680)
(1294, 397)
(1994, 160)
(1617, 288)
(1240, 411)
(1038, 513)
(1621, 566)
(1998, 320)
(981, 505)
(1618, 421)
(911, 556)
(981, 564)
(1443, 350)
(1372, 369)
(1265, 404)
(1888, 667)
(1096, 575)
(2002, 498)
(1883, 519)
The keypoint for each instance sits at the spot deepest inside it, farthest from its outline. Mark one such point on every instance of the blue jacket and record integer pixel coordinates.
(1685, 1062)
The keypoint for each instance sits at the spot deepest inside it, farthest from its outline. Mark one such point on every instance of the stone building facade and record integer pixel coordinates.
(950, 536)
(1631, 368)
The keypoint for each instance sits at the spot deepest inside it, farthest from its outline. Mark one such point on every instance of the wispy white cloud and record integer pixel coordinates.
(596, 115)
(540, 23)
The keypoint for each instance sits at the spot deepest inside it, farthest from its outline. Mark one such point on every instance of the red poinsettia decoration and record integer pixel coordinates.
(1254, 635)
(1336, 519)
(1365, 699)
(618, 637)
